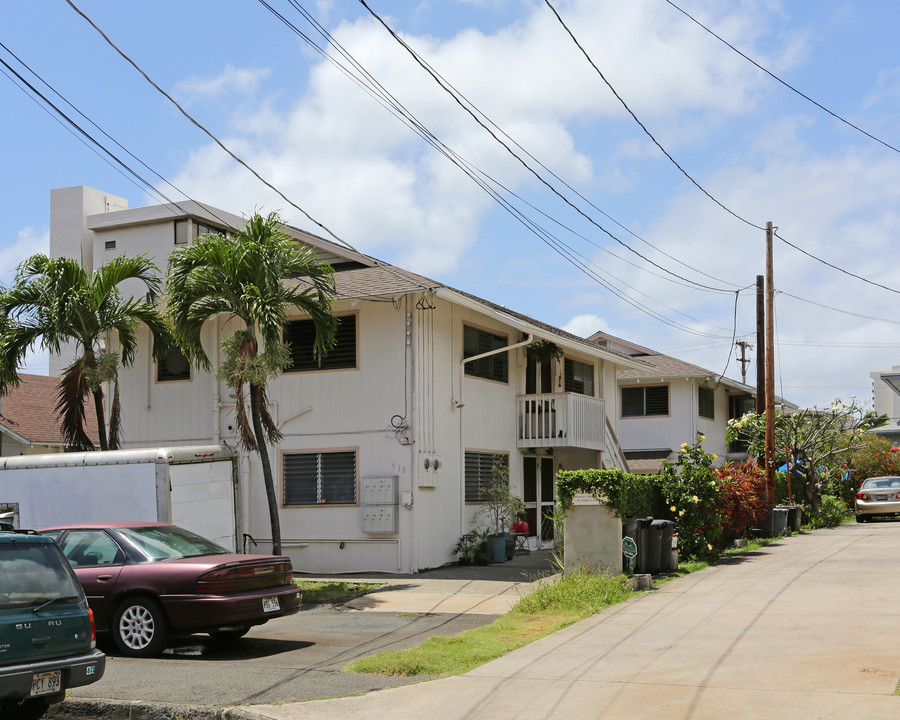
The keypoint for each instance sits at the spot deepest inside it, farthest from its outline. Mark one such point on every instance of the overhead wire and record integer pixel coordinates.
(783, 82)
(485, 181)
(644, 127)
(95, 145)
(460, 100)
(688, 176)
(206, 131)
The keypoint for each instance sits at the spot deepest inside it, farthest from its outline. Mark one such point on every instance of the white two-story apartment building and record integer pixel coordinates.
(389, 440)
(668, 402)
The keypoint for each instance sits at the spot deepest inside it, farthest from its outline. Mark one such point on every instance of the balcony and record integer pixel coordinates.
(561, 420)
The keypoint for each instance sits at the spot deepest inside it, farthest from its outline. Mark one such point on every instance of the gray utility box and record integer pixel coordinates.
(380, 504)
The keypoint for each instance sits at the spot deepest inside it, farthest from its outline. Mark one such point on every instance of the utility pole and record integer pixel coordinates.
(770, 369)
(761, 344)
(743, 359)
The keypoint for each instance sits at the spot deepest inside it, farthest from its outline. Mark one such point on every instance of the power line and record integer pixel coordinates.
(206, 131)
(467, 106)
(491, 186)
(688, 176)
(644, 127)
(93, 144)
(839, 310)
(783, 82)
(835, 267)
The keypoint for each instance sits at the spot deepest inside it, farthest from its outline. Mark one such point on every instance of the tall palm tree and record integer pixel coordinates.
(55, 303)
(256, 276)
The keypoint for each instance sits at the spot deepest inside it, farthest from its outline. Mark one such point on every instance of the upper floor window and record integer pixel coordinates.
(643, 401)
(492, 367)
(319, 478)
(706, 402)
(174, 366)
(189, 229)
(579, 377)
(301, 336)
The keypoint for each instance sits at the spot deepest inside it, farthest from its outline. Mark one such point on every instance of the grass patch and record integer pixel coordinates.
(551, 607)
(318, 591)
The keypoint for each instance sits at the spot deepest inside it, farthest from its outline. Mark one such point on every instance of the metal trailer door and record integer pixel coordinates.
(203, 500)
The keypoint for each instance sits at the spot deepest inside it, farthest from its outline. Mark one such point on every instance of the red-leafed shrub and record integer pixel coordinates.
(742, 503)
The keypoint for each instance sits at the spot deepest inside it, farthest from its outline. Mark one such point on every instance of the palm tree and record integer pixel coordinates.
(254, 276)
(55, 302)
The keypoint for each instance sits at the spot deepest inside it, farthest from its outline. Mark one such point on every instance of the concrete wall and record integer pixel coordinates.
(593, 538)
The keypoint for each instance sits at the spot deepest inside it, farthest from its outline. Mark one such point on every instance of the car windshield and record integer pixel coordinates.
(34, 574)
(168, 541)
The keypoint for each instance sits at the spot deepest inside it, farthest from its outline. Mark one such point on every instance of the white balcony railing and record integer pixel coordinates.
(561, 420)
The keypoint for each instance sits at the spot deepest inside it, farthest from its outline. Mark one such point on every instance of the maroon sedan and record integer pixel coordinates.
(147, 581)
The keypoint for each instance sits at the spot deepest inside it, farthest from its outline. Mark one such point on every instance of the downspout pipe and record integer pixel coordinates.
(458, 404)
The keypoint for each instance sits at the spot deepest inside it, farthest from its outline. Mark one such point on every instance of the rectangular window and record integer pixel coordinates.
(706, 402)
(579, 377)
(644, 401)
(181, 232)
(300, 335)
(492, 367)
(109, 245)
(174, 366)
(478, 474)
(320, 478)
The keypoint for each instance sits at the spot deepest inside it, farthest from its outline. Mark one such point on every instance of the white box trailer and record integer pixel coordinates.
(195, 486)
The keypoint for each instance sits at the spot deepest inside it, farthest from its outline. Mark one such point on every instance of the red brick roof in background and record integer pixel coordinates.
(30, 411)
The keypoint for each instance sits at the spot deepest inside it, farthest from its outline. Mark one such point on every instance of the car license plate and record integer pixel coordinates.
(881, 497)
(45, 683)
(271, 604)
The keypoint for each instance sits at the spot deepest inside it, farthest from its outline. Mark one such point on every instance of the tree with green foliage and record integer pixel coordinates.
(816, 438)
(255, 276)
(55, 303)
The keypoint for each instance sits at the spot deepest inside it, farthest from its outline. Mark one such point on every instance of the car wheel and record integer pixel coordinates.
(230, 633)
(139, 627)
(25, 709)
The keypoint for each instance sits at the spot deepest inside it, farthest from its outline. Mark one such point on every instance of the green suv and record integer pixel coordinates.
(47, 639)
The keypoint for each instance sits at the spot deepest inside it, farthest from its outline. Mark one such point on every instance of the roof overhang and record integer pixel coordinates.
(538, 332)
(14, 435)
(892, 380)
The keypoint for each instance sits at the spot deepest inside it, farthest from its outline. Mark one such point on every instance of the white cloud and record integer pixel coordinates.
(243, 81)
(586, 325)
(28, 242)
(366, 176)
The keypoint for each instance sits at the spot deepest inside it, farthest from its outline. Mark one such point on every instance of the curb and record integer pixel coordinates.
(83, 709)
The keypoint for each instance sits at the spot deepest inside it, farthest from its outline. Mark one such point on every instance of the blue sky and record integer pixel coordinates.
(756, 147)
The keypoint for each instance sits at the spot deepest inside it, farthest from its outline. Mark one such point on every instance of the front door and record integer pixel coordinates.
(539, 494)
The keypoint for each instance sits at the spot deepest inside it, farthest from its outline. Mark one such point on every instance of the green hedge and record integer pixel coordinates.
(625, 494)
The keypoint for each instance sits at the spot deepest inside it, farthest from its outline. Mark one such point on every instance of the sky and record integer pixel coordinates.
(622, 160)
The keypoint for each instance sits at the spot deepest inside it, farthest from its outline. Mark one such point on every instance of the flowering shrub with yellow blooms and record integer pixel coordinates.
(693, 494)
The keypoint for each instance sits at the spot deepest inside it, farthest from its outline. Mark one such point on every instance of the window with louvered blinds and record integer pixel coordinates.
(325, 478)
(300, 335)
(492, 367)
(642, 401)
(478, 474)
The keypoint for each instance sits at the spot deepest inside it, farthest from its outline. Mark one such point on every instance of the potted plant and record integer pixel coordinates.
(500, 508)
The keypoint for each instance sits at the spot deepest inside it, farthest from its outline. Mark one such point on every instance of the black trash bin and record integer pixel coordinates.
(794, 518)
(667, 561)
(654, 547)
(643, 544)
(629, 529)
(776, 522)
